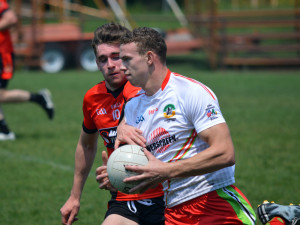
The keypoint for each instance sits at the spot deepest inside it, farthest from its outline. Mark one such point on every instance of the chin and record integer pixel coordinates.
(119, 81)
(129, 78)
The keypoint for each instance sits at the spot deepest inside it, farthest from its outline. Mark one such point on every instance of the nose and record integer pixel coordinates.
(122, 67)
(110, 63)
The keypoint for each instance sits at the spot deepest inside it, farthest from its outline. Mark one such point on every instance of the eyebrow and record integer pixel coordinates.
(113, 53)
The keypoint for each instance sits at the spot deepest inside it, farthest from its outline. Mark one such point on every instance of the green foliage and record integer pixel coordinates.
(261, 109)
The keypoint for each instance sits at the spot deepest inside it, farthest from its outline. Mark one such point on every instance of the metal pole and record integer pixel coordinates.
(178, 13)
(119, 13)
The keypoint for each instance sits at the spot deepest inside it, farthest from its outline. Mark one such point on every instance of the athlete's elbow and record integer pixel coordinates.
(230, 159)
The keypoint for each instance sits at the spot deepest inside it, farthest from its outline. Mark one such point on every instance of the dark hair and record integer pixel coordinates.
(109, 33)
(147, 39)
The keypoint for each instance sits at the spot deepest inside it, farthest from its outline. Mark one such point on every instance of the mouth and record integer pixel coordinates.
(114, 74)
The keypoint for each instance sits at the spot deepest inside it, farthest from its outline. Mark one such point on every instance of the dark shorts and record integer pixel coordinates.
(3, 83)
(144, 212)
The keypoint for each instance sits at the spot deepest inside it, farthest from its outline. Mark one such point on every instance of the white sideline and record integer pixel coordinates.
(29, 158)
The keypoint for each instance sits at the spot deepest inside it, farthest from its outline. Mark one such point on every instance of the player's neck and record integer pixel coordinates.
(155, 80)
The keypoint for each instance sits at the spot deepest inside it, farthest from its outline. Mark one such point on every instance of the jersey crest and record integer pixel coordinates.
(109, 136)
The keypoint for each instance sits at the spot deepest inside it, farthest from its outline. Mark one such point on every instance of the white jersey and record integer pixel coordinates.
(170, 121)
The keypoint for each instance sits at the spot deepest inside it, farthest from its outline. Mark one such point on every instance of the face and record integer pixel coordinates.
(134, 65)
(109, 62)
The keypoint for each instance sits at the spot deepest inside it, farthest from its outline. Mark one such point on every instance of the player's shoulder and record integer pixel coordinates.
(185, 79)
(186, 85)
(130, 91)
(136, 98)
(129, 86)
(97, 89)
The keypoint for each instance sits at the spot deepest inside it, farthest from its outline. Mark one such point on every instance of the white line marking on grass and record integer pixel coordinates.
(29, 158)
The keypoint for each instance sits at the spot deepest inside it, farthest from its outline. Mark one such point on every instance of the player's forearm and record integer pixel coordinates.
(218, 155)
(84, 159)
(208, 161)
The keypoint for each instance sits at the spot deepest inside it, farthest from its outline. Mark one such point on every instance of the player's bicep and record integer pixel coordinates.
(88, 140)
(219, 140)
(214, 134)
(203, 109)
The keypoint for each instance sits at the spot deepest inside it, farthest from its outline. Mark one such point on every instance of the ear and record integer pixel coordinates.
(150, 57)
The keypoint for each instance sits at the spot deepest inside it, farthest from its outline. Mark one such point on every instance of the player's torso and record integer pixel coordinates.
(5, 42)
(169, 133)
(5, 39)
(106, 113)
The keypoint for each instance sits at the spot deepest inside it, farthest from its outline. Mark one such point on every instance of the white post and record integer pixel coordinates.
(178, 13)
(119, 13)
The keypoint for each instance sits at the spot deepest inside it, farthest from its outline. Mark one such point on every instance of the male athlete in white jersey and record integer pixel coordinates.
(188, 143)
(102, 110)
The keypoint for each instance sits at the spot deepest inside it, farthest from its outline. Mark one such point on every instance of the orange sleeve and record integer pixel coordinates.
(130, 91)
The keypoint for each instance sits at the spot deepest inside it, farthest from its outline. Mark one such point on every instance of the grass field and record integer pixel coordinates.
(261, 108)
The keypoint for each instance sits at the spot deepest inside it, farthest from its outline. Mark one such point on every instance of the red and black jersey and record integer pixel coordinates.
(6, 45)
(102, 111)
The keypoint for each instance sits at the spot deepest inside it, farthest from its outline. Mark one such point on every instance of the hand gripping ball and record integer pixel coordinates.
(124, 155)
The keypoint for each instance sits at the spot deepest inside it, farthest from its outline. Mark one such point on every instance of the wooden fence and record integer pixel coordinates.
(253, 37)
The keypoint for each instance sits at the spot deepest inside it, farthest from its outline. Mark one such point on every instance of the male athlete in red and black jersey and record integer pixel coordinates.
(43, 98)
(102, 108)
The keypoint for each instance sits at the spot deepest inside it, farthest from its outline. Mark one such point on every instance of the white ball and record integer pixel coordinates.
(124, 155)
